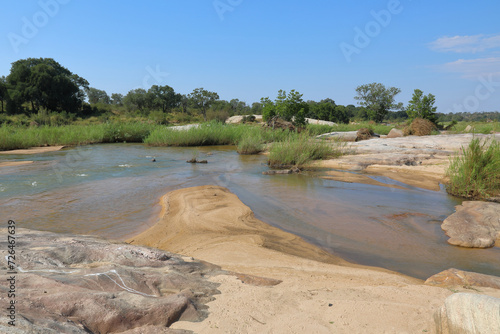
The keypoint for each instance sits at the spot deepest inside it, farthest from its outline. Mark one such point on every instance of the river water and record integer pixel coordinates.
(113, 190)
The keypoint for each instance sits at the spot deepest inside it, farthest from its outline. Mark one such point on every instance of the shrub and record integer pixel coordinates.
(420, 127)
(364, 134)
(251, 144)
(299, 150)
(476, 173)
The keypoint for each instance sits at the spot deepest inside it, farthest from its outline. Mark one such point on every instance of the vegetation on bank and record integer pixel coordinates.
(476, 173)
(301, 149)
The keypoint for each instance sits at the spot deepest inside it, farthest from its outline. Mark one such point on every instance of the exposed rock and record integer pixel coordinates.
(281, 171)
(395, 133)
(468, 313)
(82, 284)
(343, 136)
(239, 118)
(454, 277)
(183, 127)
(469, 128)
(474, 224)
(320, 122)
(196, 161)
(278, 123)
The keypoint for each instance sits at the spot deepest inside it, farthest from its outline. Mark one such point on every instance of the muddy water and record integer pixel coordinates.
(113, 191)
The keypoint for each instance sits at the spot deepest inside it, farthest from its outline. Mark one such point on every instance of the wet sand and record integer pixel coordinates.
(319, 293)
(34, 150)
(14, 163)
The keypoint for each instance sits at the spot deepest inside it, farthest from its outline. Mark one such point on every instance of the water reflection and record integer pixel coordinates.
(113, 190)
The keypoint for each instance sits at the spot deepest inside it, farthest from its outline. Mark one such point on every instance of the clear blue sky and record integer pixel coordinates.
(250, 49)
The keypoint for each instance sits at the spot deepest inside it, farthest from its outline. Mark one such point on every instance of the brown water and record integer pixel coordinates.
(113, 191)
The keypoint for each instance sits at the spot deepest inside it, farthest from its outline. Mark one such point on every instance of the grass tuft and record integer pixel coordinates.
(476, 173)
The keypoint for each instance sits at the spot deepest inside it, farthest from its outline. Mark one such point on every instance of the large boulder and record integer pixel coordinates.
(454, 277)
(467, 313)
(395, 133)
(82, 284)
(474, 225)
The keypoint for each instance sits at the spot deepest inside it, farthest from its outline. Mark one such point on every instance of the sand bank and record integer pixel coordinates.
(325, 296)
(34, 150)
(14, 163)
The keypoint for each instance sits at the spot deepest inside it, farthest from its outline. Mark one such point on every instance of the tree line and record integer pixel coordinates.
(42, 84)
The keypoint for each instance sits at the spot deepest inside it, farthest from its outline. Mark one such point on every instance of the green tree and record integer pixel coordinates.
(44, 83)
(422, 106)
(203, 99)
(289, 107)
(97, 96)
(163, 97)
(117, 99)
(378, 100)
(136, 99)
(3, 91)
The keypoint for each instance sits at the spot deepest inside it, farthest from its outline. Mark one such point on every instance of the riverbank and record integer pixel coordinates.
(330, 295)
(416, 161)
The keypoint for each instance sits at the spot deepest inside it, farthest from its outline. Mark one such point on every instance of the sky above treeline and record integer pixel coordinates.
(250, 49)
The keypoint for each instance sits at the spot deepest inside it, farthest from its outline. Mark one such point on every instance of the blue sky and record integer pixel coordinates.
(250, 49)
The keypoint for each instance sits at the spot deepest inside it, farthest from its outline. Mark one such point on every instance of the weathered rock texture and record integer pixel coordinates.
(454, 277)
(474, 224)
(464, 313)
(82, 284)
(395, 133)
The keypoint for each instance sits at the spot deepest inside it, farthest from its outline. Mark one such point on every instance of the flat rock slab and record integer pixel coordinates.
(454, 277)
(467, 313)
(81, 284)
(474, 225)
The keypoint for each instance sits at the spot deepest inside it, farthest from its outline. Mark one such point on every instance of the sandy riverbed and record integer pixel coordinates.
(319, 293)
(34, 150)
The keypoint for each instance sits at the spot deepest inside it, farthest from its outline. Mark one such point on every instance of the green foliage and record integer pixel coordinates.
(291, 107)
(44, 83)
(202, 99)
(377, 99)
(97, 96)
(163, 97)
(476, 173)
(251, 143)
(422, 106)
(299, 150)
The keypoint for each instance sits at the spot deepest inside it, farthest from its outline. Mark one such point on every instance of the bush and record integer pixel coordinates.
(251, 144)
(476, 173)
(420, 127)
(299, 150)
(364, 134)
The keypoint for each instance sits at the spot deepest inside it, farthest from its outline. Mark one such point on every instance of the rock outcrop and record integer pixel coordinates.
(82, 284)
(395, 133)
(468, 313)
(454, 277)
(474, 225)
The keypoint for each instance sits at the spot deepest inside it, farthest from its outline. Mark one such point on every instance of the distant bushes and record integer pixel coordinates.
(476, 173)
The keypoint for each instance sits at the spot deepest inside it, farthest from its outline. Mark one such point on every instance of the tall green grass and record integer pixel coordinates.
(476, 173)
(299, 150)
(19, 137)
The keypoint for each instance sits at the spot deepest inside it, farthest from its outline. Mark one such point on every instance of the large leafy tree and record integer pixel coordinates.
(136, 99)
(3, 92)
(422, 106)
(97, 96)
(44, 83)
(202, 99)
(164, 97)
(378, 100)
(290, 107)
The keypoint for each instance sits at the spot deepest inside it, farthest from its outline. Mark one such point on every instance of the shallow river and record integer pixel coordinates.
(113, 191)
